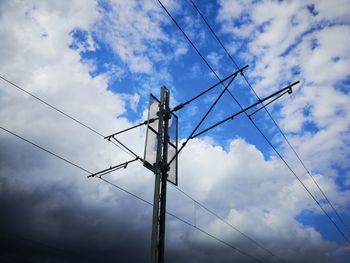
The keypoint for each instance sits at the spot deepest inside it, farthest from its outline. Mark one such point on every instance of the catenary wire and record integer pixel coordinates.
(227, 223)
(203, 118)
(15, 85)
(184, 221)
(304, 186)
(45, 150)
(259, 130)
(60, 111)
(270, 116)
(7, 235)
(231, 117)
(63, 114)
(216, 238)
(130, 193)
(111, 169)
(194, 47)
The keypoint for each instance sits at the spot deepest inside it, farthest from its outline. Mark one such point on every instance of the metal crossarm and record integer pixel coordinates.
(289, 91)
(112, 168)
(205, 115)
(234, 74)
(285, 90)
(131, 128)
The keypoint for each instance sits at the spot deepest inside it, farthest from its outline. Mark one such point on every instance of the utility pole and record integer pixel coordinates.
(160, 185)
(159, 146)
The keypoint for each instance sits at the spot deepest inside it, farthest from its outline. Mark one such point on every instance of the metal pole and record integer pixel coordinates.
(159, 199)
(165, 168)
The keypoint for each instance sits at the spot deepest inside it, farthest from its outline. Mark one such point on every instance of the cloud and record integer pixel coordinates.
(52, 212)
(135, 30)
(245, 192)
(291, 40)
(133, 100)
(214, 59)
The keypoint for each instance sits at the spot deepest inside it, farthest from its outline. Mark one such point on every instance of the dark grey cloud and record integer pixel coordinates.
(54, 224)
(50, 212)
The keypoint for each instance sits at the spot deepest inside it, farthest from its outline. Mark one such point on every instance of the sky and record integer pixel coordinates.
(98, 61)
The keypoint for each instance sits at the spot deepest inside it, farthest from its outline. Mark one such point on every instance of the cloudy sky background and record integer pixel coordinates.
(99, 60)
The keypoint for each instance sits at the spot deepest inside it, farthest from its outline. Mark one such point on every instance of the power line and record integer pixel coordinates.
(184, 221)
(63, 159)
(283, 91)
(255, 125)
(288, 166)
(59, 111)
(227, 223)
(205, 115)
(233, 75)
(216, 37)
(7, 235)
(195, 48)
(214, 237)
(45, 150)
(269, 114)
(128, 192)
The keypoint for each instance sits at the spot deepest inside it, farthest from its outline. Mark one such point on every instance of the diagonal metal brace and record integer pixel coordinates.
(233, 75)
(131, 128)
(285, 90)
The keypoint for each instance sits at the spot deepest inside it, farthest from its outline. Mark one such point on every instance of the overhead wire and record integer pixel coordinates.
(59, 111)
(228, 224)
(7, 235)
(184, 221)
(79, 167)
(255, 125)
(231, 117)
(195, 48)
(301, 182)
(216, 238)
(96, 132)
(74, 119)
(270, 116)
(111, 169)
(45, 150)
(203, 118)
(130, 193)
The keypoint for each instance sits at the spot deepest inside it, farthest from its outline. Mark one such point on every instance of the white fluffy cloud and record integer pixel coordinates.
(257, 196)
(309, 39)
(134, 29)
